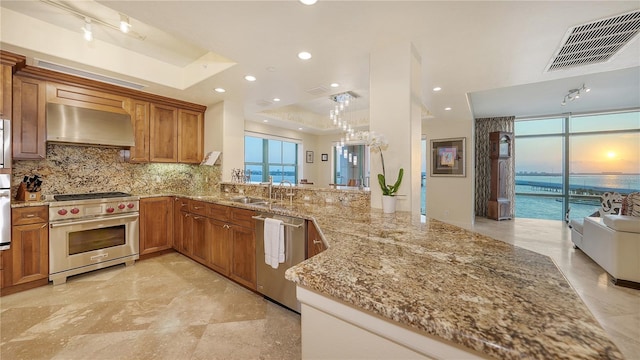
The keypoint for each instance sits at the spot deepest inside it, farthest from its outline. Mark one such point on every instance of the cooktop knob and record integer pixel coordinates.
(110, 209)
(130, 205)
(75, 210)
(121, 206)
(62, 212)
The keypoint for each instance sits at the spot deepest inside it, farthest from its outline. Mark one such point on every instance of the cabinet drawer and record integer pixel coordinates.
(218, 212)
(86, 98)
(198, 207)
(242, 218)
(29, 215)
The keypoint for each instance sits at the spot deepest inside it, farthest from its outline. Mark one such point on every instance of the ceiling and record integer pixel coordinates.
(488, 57)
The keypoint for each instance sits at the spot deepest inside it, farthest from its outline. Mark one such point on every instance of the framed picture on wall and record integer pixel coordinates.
(309, 156)
(448, 157)
(325, 157)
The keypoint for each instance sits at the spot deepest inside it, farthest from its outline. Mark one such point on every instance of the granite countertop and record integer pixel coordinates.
(445, 281)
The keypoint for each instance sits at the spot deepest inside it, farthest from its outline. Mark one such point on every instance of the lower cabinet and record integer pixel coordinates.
(219, 237)
(314, 241)
(243, 255)
(27, 261)
(156, 224)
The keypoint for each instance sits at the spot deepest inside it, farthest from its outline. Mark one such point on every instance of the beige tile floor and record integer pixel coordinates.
(167, 307)
(170, 307)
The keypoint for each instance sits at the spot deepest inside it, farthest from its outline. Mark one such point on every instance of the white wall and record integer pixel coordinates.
(224, 132)
(451, 199)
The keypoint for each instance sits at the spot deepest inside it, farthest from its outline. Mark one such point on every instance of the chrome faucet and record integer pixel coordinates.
(270, 183)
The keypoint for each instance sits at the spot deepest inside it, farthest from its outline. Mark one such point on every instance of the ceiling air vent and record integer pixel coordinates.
(595, 42)
(87, 75)
(319, 90)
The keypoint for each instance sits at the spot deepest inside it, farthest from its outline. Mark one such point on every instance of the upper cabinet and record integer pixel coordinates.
(163, 133)
(29, 101)
(86, 98)
(166, 130)
(190, 136)
(5, 92)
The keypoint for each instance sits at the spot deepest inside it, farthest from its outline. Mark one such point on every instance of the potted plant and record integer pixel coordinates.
(376, 144)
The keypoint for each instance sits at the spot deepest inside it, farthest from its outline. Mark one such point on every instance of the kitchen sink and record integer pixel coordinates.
(249, 200)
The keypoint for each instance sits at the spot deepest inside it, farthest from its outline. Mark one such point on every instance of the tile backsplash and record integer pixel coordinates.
(72, 169)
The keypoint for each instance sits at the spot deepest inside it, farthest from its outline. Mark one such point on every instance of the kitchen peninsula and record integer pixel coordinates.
(440, 284)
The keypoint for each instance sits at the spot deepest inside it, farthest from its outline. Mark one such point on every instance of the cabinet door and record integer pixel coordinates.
(140, 119)
(219, 235)
(187, 226)
(190, 136)
(314, 241)
(29, 101)
(243, 256)
(30, 253)
(179, 205)
(156, 224)
(86, 98)
(5, 92)
(163, 140)
(201, 251)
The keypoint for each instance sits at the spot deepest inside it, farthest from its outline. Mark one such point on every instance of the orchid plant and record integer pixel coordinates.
(377, 143)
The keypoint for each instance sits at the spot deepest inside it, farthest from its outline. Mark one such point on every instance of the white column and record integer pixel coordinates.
(395, 112)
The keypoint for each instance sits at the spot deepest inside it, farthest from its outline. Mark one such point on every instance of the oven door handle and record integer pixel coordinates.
(88, 221)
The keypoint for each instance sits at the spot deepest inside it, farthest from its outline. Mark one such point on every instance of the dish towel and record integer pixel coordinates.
(273, 242)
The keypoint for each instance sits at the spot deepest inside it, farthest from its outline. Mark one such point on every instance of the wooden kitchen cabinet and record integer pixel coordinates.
(140, 118)
(200, 242)
(180, 208)
(156, 224)
(220, 237)
(163, 133)
(6, 90)
(26, 263)
(86, 98)
(243, 248)
(190, 136)
(315, 245)
(29, 128)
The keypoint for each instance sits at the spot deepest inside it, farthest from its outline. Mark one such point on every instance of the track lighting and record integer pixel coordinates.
(125, 24)
(574, 94)
(88, 34)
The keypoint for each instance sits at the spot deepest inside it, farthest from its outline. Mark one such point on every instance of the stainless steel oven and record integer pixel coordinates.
(90, 234)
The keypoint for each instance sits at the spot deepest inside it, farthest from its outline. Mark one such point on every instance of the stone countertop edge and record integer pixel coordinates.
(442, 280)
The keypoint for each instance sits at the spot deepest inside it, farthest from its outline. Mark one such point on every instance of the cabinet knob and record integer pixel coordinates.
(226, 226)
(316, 242)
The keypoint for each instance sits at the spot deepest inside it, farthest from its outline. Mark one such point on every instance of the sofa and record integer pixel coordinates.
(611, 238)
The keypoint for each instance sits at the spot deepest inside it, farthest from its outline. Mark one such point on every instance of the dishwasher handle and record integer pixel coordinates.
(283, 223)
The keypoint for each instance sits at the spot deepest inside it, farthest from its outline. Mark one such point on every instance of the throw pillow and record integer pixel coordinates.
(634, 203)
(610, 203)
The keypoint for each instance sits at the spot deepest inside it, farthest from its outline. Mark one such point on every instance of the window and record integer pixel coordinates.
(351, 165)
(567, 163)
(264, 157)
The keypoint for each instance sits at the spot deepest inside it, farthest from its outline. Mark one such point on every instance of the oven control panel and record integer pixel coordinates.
(62, 211)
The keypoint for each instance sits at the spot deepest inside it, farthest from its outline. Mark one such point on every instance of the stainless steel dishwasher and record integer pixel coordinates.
(271, 282)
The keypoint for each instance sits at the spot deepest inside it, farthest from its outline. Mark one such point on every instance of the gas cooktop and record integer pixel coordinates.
(87, 196)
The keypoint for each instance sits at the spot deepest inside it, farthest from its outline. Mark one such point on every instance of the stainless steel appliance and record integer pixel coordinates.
(92, 231)
(5, 208)
(5, 185)
(271, 282)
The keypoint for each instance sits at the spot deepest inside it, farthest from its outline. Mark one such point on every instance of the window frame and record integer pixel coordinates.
(265, 164)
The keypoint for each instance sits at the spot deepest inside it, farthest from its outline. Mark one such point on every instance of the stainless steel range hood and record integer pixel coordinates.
(70, 124)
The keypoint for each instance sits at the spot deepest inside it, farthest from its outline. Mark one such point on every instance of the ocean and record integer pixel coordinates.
(544, 202)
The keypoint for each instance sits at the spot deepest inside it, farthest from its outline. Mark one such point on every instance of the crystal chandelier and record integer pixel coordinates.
(340, 116)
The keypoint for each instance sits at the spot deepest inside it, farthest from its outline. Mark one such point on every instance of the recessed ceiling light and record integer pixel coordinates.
(250, 78)
(437, 88)
(276, 99)
(334, 85)
(220, 90)
(265, 120)
(303, 55)
(299, 128)
(447, 108)
(308, 2)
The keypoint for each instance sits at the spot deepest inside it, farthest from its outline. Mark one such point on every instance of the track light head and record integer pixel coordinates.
(125, 24)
